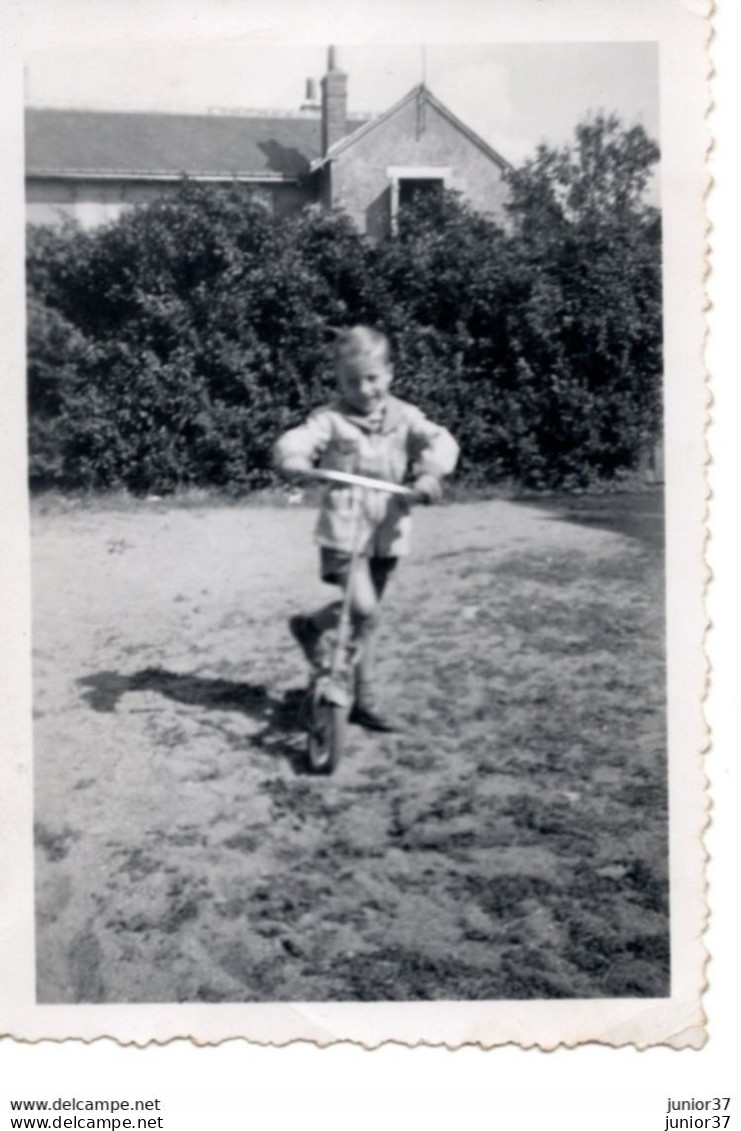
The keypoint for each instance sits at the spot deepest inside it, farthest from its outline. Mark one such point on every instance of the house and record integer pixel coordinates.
(92, 164)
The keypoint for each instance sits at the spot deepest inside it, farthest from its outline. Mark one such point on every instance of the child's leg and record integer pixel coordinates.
(366, 611)
(363, 599)
(326, 618)
(367, 585)
(309, 630)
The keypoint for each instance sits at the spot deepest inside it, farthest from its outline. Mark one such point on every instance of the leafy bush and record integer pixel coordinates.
(171, 347)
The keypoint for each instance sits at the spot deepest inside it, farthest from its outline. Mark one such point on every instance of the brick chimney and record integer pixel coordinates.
(334, 103)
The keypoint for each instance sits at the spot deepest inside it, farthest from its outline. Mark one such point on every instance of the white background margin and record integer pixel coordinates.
(239, 1085)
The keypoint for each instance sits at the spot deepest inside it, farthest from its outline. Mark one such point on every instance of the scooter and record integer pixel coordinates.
(331, 691)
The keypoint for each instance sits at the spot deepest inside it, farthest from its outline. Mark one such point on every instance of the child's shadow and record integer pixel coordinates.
(282, 719)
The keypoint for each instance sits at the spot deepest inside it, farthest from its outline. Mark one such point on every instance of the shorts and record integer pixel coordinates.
(335, 568)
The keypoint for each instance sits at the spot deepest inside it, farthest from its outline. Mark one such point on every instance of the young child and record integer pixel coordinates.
(369, 432)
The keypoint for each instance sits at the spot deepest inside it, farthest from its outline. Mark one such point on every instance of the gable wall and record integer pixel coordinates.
(360, 182)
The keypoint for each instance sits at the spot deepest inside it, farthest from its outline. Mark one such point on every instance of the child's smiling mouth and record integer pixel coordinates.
(365, 404)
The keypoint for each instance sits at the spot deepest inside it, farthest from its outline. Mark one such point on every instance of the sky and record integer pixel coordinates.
(513, 95)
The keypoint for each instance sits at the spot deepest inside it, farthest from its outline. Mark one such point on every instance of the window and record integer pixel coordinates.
(412, 188)
(408, 182)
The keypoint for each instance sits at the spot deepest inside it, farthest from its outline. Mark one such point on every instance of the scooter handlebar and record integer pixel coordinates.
(349, 479)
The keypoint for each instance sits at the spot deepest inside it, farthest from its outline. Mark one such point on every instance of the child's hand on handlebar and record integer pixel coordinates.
(427, 489)
(296, 471)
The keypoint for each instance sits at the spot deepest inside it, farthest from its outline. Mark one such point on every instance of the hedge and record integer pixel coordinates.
(170, 348)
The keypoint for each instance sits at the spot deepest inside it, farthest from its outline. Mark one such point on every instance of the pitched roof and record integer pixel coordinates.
(111, 143)
(421, 92)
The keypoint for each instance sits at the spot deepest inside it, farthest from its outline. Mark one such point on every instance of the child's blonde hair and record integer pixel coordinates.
(361, 340)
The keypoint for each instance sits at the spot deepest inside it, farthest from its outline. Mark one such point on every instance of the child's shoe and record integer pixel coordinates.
(367, 713)
(307, 637)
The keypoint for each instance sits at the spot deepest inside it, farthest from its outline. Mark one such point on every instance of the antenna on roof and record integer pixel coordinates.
(421, 115)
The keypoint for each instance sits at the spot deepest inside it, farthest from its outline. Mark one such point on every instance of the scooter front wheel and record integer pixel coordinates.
(327, 731)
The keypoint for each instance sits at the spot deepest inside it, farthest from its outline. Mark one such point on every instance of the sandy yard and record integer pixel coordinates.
(511, 843)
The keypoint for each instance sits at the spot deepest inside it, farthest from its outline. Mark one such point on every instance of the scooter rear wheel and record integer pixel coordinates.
(327, 730)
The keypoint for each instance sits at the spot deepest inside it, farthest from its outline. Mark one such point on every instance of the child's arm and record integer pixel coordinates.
(298, 449)
(434, 454)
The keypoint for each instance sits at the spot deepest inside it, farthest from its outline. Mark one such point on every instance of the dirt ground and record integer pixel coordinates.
(510, 843)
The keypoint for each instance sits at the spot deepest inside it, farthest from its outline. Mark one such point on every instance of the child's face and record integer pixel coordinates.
(364, 380)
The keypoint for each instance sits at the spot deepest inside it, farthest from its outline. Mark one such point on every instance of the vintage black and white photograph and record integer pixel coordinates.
(346, 456)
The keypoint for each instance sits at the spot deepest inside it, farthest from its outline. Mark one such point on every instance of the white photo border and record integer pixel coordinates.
(682, 29)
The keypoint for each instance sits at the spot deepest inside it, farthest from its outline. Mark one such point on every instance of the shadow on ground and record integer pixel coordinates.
(638, 515)
(282, 720)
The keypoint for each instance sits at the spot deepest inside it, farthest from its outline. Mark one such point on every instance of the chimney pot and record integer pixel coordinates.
(311, 103)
